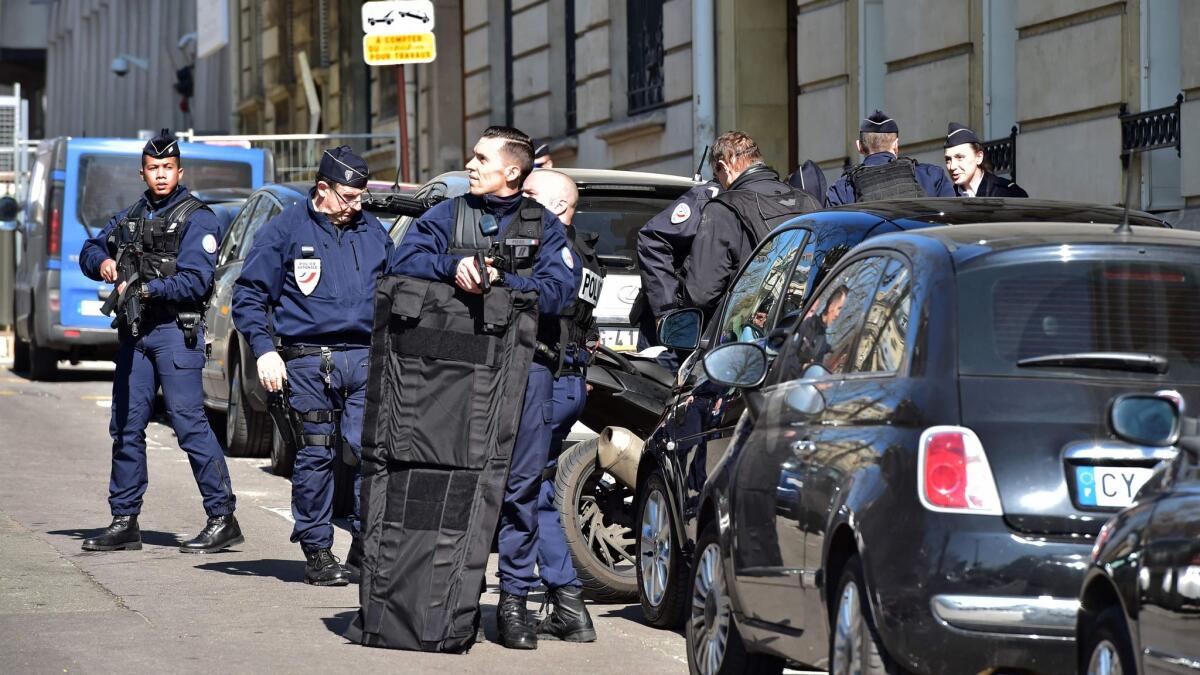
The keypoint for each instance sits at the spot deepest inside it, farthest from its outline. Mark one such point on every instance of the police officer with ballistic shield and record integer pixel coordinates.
(160, 253)
(311, 272)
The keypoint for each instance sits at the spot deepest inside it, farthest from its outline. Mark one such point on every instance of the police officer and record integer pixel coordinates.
(753, 201)
(166, 244)
(313, 269)
(883, 174)
(500, 162)
(967, 168)
(578, 335)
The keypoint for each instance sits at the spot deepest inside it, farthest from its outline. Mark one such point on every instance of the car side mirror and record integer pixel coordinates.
(738, 364)
(681, 329)
(1145, 419)
(8, 214)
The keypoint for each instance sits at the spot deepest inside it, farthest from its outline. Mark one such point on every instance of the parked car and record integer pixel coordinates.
(612, 204)
(941, 405)
(75, 187)
(1139, 608)
(225, 204)
(699, 421)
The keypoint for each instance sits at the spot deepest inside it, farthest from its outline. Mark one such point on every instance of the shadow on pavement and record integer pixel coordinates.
(284, 570)
(71, 375)
(150, 537)
(629, 612)
(339, 623)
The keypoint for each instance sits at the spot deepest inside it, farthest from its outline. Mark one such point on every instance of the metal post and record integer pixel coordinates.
(402, 120)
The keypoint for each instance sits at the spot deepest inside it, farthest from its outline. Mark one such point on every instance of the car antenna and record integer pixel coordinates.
(699, 167)
(1124, 228)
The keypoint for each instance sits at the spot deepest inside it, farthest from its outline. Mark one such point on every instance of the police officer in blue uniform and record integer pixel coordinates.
(883, 173)
(500, 162)
(312, 273)
(160, 253)
(577, 336)
(967, 166)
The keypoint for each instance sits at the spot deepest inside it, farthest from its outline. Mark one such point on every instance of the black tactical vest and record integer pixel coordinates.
(519, 245)
(895, 180)
(160, 237)
(578, 323)
(759, 213)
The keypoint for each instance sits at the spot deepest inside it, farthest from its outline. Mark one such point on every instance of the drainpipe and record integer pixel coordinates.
(704, 75)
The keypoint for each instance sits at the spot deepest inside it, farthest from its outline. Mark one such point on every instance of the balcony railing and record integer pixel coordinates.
(1002, 154)
(1150, 130)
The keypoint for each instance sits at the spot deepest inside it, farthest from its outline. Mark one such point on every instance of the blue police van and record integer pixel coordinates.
(75, 187)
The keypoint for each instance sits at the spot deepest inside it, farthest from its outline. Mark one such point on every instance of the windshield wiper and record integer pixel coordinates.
(1137, 363)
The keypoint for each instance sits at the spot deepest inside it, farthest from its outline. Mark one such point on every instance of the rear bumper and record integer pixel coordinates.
(1043, 615)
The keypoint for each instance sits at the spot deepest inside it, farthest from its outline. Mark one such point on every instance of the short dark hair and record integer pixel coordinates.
(841, 291)
(518, 148)
(876, 142)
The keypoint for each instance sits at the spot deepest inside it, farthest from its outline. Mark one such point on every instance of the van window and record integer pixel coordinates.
(109, 183)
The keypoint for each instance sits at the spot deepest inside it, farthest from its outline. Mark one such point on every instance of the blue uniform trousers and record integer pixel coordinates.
(161, 358)
(518, 542)
(312, 478)
(553, 557)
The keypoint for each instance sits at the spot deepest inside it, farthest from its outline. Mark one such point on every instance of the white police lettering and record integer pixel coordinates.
(680, 214)
(209, 243)
(568, 259)
(589, 288)
(308, 274)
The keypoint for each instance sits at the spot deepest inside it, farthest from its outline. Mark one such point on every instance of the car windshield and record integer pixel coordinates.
(1109, 318)
(109, 183)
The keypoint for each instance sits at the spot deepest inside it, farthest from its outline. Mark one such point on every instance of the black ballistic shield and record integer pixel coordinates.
(447, 380)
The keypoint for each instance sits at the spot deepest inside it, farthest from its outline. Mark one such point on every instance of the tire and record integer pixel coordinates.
(283, 455)
(43, 363)
(714, 645)
(854, 644)
(589, 501)
(247, 433)
(662, 574)
(1108, 649)
(20, 356)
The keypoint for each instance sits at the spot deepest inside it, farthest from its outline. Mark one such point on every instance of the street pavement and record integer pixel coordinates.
(158, 610)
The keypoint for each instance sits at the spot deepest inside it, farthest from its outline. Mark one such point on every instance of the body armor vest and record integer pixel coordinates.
(895, 180)
(516, 252)
(759, 213)
(578, 322)
(153, 243)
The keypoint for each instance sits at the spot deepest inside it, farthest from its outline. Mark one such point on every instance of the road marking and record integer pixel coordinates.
(96, 397)
(104, 403)
(7, 392)
(286, 513)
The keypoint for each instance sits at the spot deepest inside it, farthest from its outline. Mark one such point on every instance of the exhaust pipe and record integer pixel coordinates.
(619, 453)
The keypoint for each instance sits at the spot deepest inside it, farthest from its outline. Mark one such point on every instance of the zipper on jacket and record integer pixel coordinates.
(355, 252)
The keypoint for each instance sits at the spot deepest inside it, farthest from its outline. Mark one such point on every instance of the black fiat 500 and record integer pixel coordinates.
(1140, 604)
(924, 462)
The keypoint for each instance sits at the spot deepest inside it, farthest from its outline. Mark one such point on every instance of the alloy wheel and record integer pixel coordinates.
(711, 614)
(1105, 660)
(655, 549)
(848, 634)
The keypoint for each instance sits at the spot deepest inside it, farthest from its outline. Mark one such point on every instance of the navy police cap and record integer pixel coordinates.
(341, 165)
(957, 134)
(878, 122)
(162, 146)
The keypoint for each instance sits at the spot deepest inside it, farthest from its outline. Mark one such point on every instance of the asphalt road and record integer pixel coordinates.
(63, 610)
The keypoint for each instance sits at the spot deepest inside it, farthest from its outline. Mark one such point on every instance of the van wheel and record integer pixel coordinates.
(20, 356)
(247, 433)
(43, 363)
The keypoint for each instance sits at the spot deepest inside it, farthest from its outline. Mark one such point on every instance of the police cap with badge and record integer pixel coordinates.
(341, 165)
(878, 122)
(959, 134)
(162, 146)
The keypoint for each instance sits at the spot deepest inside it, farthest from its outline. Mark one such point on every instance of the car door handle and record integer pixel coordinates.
(804, 446)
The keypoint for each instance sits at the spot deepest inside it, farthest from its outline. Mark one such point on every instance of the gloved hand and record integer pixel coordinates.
(271, 371)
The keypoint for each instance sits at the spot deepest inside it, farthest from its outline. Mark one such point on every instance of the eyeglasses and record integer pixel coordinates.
(364, 196)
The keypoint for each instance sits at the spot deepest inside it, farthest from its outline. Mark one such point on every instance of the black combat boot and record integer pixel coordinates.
(570, 620)
(121, 535)
(513, 621)
(354, 560)
(323, 568)
(220, 532)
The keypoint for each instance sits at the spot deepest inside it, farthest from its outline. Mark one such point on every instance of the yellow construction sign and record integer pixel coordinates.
(388, 50)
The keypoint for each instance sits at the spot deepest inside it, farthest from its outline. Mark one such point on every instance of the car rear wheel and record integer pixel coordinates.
(1109, 649)
(714, 646)
(854, 646)
(247, 433)
(662, 572)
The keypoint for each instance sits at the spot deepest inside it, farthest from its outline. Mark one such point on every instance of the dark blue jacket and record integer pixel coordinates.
(424, 252)
(197, 251)
(933, 179)
(340, 309)
(664, 244)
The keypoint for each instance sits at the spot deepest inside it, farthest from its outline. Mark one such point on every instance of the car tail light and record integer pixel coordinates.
(953, 474)
(71, 333)
(54, 234)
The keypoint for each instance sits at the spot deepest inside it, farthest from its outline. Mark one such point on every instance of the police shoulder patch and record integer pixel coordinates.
(209, 243)
(567, 258)
(681, 213)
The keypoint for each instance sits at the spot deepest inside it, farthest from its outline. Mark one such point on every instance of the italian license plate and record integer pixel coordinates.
(619, 339)
(1109, 486)
(90, 308)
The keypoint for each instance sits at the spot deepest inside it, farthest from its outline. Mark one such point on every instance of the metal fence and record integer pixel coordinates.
(1001, 153)
(1150, 130)
(297, 155)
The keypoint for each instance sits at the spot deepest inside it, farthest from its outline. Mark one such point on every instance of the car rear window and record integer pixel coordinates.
(1009, 313)
(617, 219)
(109, 183)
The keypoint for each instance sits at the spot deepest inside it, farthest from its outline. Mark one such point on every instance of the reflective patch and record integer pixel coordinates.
(209, 243)
(714, 191)
(568, 259)
(589, 288)
(308, 274)
(680, 214)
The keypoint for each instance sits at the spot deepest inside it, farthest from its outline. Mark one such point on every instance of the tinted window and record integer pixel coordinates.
(758, 288)
(616, 217)
(266, 210)
(109, 183)
(884, 333)
(236, 229)
(1020, 311)
(798, 285)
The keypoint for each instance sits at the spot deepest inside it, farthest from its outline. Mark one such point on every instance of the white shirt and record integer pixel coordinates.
(970, 190)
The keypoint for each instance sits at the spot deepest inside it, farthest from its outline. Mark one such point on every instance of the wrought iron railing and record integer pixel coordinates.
(1150, 130)
(645, 29)
(1001, 154)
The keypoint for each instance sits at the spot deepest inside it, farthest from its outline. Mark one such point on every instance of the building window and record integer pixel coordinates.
(569, 13)
(645, 19)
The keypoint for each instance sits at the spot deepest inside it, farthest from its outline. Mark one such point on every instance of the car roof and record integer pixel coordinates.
(601, 179)
(133, 147)
(958, 210)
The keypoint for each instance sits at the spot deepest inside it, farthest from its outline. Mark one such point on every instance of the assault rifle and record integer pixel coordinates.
(127, 304)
